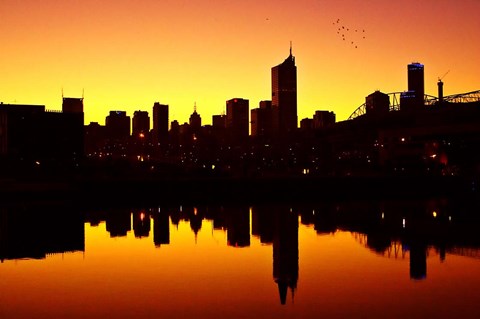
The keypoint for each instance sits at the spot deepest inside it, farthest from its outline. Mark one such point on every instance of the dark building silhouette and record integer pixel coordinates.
(160, 123)
(72, 105)
(284, 95)
(322, 119)
(219, 121)
(262, 120)
(237, 120)
(31, 133)
(95, 137)
(377, 103)
(140, 124)
(414, 97)
(117, 125)
(306, 124)
(195, 121)
(416, 82)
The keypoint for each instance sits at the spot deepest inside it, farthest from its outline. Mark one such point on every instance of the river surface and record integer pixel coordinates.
(400, 259)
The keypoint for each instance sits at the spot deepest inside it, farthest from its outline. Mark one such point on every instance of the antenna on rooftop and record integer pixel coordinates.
(290, 47)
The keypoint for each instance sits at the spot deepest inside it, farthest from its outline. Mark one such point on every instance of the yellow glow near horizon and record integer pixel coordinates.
(128, 54)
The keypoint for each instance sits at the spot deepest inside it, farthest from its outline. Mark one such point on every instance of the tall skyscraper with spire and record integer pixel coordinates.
(284, 95)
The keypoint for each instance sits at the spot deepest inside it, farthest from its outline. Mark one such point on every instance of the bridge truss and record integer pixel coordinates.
(429, 100)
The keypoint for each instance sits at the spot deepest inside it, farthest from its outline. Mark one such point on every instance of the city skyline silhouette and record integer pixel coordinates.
(186, 55)
(239, 159)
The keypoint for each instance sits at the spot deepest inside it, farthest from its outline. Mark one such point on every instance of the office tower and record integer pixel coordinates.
(284, 95)
(322, 119)
(237, 120)
(140, 124)
(262, 120)
(195, 121)
(31, 133)
(160, 123)
(416, 81)
(219, 121)
(377, 103)
(72, 105)
(117, 125)
(414, 97)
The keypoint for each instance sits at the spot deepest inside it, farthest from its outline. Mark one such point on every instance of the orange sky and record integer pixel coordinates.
(128, 54)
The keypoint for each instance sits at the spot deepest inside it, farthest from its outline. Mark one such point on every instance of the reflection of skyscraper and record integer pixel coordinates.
(141, 224)
(238, 226)
(284, 95)
(118, 222)
(418, 260)
(285, 252)
(35, 232)
(161, 228)
(262, 217)
(195, 221)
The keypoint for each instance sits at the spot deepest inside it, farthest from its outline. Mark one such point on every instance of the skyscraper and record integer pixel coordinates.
(284, 95)
(160, 123)
(117, 125)
(416, 82)
(414, 97)
(72, 105)
(140, 123)
(195, 120)
(262, 120)
(237, 119)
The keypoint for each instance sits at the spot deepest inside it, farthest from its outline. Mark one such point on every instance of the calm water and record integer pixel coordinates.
(413, 259)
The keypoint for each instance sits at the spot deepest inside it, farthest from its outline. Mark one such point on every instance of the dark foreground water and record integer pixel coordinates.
(401, 259)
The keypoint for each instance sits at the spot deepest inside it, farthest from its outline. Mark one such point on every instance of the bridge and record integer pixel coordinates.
(429, 100)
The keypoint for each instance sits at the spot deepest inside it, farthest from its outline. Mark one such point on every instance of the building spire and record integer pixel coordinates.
(195, 107)
(290, 48)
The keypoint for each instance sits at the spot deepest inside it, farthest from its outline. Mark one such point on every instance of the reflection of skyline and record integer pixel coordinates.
(409, 229)
(37, 233)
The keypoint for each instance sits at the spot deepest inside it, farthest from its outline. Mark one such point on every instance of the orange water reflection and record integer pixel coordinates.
(239, 262)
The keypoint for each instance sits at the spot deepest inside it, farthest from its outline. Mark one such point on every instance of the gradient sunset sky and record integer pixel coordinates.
(128, 54)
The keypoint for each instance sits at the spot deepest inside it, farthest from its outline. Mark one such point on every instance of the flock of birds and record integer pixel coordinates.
(349, 35)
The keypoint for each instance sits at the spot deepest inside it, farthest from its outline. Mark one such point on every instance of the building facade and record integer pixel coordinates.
(237, 120)
(284, 95)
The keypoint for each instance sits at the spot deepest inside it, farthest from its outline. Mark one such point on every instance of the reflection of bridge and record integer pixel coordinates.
(465, 252)
(429, 100)
(396, 249)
